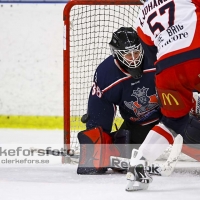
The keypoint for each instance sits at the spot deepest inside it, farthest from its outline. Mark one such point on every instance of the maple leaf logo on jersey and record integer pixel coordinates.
(144, 103)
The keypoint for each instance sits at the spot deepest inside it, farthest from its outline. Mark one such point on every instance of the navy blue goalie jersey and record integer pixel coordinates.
(114, 88)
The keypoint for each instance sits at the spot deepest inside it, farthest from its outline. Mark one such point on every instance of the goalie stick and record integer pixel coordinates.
(164, 169)
(115, 162)
(169, 165)
(123, 163)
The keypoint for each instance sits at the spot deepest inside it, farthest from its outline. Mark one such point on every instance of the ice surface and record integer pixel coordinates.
(56, 181)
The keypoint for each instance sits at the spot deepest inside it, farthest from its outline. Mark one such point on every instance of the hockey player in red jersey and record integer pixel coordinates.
(170, 35)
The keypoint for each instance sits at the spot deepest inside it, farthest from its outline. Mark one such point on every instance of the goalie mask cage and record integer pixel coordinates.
(88, 28)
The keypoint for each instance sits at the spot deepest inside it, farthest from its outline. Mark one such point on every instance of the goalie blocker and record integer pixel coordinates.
(96, 148)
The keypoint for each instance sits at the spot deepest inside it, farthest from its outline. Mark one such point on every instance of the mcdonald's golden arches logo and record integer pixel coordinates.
(170, 100)
(168, 97)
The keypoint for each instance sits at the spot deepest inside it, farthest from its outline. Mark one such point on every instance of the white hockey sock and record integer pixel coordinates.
(136, 157)
(157, 140)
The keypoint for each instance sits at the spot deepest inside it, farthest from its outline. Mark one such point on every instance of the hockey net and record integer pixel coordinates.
(88, 27)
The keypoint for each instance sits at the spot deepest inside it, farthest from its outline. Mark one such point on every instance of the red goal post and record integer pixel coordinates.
(88, 27)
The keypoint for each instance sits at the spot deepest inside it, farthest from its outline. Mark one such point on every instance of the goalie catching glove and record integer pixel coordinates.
(96, 147)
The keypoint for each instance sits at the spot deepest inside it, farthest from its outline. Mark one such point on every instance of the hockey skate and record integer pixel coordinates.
(137, 176)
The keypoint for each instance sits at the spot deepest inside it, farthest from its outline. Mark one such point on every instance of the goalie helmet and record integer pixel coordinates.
(127, 49)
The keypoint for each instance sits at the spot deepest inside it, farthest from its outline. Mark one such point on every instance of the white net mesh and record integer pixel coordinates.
(91, 28)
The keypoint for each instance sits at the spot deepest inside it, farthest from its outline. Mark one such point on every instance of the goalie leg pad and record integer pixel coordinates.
(191, 139)
(95, 150)
(122, 142)
(191, 151)
(192, 133)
